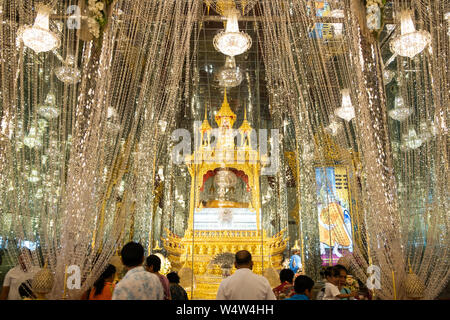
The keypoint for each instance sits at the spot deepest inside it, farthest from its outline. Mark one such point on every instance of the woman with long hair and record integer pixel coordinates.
(104, 286)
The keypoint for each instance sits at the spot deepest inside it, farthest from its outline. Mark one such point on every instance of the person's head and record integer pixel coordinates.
(342, 274)
(132, 254)
(334, 277)
(243, 259)
(24, 258)
(327, 273)
(153, 263)
(286, 275)
(303, 285)
(106, 276)
(173, 277)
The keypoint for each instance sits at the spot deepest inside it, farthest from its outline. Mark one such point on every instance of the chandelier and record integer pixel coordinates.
(400, 112)
(334, 127)
(39, 37)
(229, 75)
(410, 42)
(34, 176)
(231, 42)
(346, 111)
(34, 137)
(388, 75)
(49, 110)
(412, 140)
(68, 73)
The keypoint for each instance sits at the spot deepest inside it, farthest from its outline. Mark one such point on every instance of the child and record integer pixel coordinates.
(331, 286)
(303, 288)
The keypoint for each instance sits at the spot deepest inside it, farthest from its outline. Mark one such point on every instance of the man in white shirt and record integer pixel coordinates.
(17, 275)
(137, 284)
(244, 284)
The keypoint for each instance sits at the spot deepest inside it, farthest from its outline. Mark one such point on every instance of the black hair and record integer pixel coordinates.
(173, 277)
(100, 283)
(155, 261)
(303, 283)
(327, 272)
(25, 290)
(243, 257)
(341, 267)
(286, 275)
(335, 271)
(132, 254)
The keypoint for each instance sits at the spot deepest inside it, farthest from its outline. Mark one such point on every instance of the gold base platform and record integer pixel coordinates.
(191, 256)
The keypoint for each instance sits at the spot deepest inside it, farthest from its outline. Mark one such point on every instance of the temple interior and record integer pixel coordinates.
(307, 132)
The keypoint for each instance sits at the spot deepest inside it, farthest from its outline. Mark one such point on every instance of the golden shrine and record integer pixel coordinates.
(219, 223)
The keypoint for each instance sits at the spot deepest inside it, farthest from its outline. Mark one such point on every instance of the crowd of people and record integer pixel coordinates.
(143, 281)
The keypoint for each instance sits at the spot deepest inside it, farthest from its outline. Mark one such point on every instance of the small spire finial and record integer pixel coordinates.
(206, 110)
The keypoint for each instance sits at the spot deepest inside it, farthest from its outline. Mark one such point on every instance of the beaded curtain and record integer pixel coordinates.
(80, 185)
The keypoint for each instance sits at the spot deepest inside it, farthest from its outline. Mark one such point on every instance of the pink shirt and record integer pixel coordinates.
(166, 286)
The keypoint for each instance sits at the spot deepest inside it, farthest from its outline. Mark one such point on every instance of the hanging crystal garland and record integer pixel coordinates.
(447, 18)
(400, 111)
(410, 42)
(346, 111)
(111, 124)
(39, 37)
(68, 73)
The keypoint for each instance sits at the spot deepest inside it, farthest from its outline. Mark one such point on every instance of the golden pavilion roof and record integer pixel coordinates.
(205, 125)
(245, 126)
(225, 112)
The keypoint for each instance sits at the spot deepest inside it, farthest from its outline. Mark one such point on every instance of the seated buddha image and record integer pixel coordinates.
(224, 190)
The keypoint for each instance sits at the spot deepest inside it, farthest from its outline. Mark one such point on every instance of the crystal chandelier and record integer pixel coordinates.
(229, 75)
(425, 133)
(68, 73)
(48, 109)
(334, 127)
(34, 137)
(400, 112)
(410, 42)
(34, 176)
(346, 111)
(388, 75)
(231, 42)
(412, 140)
(39, 37)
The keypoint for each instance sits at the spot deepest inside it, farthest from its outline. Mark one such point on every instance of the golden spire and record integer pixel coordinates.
(205, 125)
(245, 126)
(225, 116)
